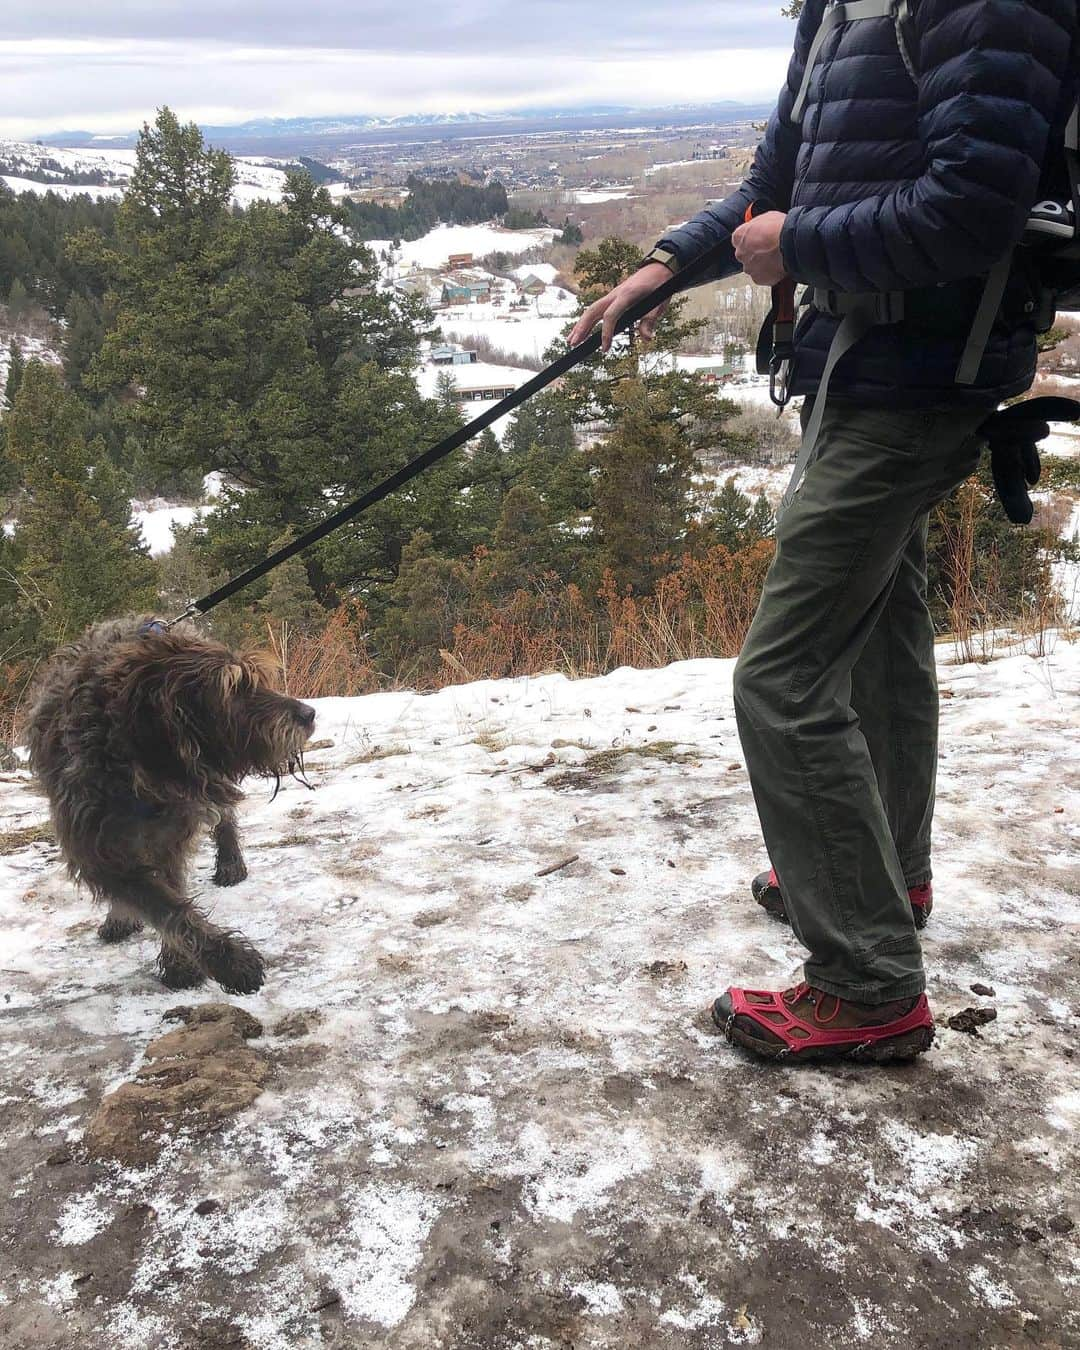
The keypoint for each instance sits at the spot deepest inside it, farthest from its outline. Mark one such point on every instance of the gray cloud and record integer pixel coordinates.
(475, 26)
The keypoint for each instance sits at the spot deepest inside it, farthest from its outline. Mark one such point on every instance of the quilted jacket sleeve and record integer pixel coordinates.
(990, 82)
(771, 175)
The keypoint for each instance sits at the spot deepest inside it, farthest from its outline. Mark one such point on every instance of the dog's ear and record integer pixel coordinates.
(265, 668)
(153, 722)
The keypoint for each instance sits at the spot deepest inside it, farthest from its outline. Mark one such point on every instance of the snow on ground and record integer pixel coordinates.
(95, 191)
(156, 520)
(498, 1116)
(258, 178)
(1066, 572)
(436, 247)
(1064, 440)
(523, 332)
(673, 164)
(545, 272)
(590, 197)
(33, 349)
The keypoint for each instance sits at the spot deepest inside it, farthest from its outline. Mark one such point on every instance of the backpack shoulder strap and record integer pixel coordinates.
(849, 11)
(905, 37)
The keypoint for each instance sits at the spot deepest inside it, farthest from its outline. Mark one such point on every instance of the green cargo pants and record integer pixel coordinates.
(836, 693)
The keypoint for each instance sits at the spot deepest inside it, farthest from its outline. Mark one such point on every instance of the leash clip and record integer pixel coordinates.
(192, 612)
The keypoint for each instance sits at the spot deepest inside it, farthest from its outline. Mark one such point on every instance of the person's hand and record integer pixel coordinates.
(613, 305)
(757, 247)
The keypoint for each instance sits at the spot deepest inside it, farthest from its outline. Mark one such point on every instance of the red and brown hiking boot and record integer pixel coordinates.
(765, 889)
(804, 1025)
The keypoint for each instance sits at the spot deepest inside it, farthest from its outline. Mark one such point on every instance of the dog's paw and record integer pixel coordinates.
(230, 871)
(114, 929)
(177, 971)
(235, 965)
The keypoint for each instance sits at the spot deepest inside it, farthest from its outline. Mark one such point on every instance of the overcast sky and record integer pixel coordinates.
(105, 65)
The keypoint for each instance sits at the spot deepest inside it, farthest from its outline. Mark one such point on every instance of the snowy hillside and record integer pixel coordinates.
(258, 178)
(496, 1115)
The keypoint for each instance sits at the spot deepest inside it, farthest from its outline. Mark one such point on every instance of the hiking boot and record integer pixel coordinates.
(805, 1025)
(765, 889)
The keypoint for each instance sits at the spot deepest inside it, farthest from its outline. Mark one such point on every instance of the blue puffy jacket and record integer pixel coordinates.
(889, 185)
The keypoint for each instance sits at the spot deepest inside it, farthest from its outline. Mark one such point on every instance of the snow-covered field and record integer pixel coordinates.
(497, 1116)
(439, 244)
(521, 332)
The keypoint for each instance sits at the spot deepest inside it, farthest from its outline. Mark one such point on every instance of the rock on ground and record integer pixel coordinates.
(193, 1080)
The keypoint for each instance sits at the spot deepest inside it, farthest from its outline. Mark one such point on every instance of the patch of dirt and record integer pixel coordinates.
(591, 773)
(13, 841)
(193, 1079)
(662, 969)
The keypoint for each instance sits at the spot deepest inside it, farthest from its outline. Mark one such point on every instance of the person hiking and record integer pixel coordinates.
(895, 177)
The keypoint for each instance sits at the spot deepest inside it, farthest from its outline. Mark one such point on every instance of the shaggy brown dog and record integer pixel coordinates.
(140, 736)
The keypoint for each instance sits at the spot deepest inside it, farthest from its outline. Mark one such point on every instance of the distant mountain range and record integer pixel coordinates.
(303, 129)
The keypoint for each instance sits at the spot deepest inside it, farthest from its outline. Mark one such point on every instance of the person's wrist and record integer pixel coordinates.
(664, 257)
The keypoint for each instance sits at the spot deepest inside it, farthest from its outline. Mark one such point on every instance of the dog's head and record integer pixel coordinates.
(192, 710)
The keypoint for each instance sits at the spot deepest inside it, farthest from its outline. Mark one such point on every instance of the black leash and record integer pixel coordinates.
(454, 441)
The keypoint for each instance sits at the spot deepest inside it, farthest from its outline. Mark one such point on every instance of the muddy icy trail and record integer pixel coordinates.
(485, 1108)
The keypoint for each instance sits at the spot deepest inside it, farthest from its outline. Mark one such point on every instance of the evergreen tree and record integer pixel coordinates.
(19, 302)
(643, 488)
(80, 558)
(426, 602)
(261, 346)
(736, 522)
(571, 233)
(522, 548)
(490, 474)
(290, 598)
(84, 332)
(16, 367)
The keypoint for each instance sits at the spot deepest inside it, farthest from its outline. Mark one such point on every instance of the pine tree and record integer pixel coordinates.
(523, 545)
(290, 599)
(80, 557)
(490, 476)
(259, 344)
(84, 332)
(643, 488)
(426, 602)
(16, 367)
(19, 302)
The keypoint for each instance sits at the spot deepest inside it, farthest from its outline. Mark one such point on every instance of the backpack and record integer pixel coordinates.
(1051, 245)
(1051, 240)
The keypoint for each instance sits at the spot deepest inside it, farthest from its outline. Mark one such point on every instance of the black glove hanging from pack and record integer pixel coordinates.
(1013, 435)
